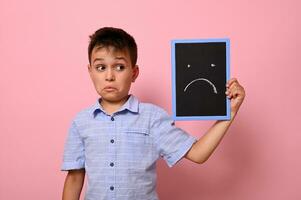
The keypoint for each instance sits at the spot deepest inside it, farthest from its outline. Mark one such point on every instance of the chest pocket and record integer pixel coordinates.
(138, 135)
(138, 145)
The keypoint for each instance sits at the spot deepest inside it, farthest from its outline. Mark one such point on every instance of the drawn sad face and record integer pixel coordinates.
(201, 79)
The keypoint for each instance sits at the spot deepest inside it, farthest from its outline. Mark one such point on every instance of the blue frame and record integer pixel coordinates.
(173, 62)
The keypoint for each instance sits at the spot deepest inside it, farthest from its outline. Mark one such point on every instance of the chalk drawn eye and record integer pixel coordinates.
(188, 66)
(201, 79)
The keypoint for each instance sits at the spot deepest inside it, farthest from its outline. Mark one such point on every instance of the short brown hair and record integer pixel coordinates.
(115, 37)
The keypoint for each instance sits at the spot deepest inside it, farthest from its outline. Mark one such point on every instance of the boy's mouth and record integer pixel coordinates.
(109, 89)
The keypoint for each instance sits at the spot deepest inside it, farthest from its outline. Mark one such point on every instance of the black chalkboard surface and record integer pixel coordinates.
(200, 70)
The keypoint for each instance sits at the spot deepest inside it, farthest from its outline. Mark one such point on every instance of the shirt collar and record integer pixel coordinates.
(132, 105)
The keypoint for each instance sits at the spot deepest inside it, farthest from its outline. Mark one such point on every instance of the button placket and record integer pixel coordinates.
(112, 163)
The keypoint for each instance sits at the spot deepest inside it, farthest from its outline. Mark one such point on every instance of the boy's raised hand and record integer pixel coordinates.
(236, 93)
(204, 147)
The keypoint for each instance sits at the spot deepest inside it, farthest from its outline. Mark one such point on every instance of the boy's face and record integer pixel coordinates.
(112, 73)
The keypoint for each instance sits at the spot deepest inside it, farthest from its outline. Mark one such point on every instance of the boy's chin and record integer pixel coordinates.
(114, 98)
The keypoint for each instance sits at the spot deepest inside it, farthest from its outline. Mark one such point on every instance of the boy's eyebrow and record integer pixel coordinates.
(97, 59)
(121, 58)
(117, 58)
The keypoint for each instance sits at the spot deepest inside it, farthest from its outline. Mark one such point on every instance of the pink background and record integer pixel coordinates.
(44, 83)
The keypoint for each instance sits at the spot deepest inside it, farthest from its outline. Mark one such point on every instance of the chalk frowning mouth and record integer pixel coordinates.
(201, 79)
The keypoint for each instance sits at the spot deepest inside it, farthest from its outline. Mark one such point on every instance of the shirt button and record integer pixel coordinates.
(112, 141)
(111, 188)
(112, 164)
(112, 118)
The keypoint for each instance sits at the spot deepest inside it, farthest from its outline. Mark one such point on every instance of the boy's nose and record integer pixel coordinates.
(110, 75)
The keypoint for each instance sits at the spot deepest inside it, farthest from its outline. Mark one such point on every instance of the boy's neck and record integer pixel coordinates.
(111, 106)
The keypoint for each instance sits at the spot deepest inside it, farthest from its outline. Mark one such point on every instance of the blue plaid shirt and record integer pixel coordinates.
(119, 151)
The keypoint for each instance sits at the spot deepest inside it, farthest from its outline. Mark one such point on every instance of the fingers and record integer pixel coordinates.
(234, 89)
(237, 93)
(230, 87)
(231, 81)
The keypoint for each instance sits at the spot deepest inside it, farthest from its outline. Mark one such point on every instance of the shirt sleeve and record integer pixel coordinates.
(172, 142)
(74, 151)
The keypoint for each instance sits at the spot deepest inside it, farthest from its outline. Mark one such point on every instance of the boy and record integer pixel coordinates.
(118, 140)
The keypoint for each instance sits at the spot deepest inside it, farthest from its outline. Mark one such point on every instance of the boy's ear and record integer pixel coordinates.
(135, 73)
(89, 68)
(90, 71)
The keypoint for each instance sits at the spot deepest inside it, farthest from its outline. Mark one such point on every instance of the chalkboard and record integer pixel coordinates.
(200, 70)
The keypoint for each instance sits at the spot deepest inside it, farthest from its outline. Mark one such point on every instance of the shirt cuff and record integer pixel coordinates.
(72, 165)
(174, 158)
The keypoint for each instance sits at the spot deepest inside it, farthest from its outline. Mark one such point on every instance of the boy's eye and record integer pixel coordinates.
(120, 67)
(101, 67)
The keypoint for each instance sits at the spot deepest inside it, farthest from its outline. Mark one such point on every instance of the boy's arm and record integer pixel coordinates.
(204, 147)
(73, 184)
